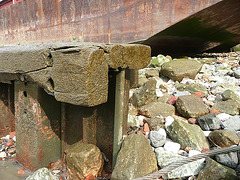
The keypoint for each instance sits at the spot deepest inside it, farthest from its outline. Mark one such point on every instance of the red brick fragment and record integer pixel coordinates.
(214, 111)
(90, 176)
(9, 143)
(199, 94)
(192, 121)
(21, 172)
(172, 100)
(205, 150)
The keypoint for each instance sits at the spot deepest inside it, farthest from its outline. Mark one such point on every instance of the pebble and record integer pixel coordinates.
(169, 120)
(172, 147)
(3, 155)
(158, 138)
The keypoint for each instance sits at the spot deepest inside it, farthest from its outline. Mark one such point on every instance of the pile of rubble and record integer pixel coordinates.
(8, 146)
(183, 107)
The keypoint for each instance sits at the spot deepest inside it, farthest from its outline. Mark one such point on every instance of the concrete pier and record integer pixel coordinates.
(66, 93)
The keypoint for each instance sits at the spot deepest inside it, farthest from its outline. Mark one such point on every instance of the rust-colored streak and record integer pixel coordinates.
(7, 120)
(98, 21)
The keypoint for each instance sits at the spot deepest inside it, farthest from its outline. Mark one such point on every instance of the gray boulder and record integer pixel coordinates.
(135, 159)
(191, 106)
(181, 68)
(209, 122)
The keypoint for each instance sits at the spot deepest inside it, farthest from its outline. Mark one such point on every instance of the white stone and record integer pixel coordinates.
(232, 123)
(14, 138)
(159, 82)
(165, 158)
(206, 133)
(223, 116)
(6, 137)
(187, 81)
(157, 138)
(169, 120)
(131, 91)
(3, 154)
(172, 147)
(181, 93)
(159, 93)
(133, 121)
(140, 119)
(193, 153)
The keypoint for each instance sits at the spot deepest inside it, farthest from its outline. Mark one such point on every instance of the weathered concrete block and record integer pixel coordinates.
(75, 73)
(37, 126)
(22, 59)
(80, 76)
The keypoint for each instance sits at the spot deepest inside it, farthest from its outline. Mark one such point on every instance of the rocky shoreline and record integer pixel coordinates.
(180, 108)
(184, 107)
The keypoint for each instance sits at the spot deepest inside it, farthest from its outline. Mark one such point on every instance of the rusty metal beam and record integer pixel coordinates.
(7, 123)
(92, 21)
(38, 126)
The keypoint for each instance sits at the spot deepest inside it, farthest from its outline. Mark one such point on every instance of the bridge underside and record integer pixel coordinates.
(169, 27)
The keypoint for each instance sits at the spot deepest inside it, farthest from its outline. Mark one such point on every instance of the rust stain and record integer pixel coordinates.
(118, 21)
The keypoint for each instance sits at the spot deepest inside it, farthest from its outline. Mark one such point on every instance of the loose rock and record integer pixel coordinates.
(181, 68)
(229, 159)
(84, 159)
(224, 138)
(187, 135)
(209, 122)
(41, 174)
(229, 107)
(191, 106)
(157, 108)
(135, 159)
(158, 138)
(145, 94)
(232, 123)
(216, 171)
